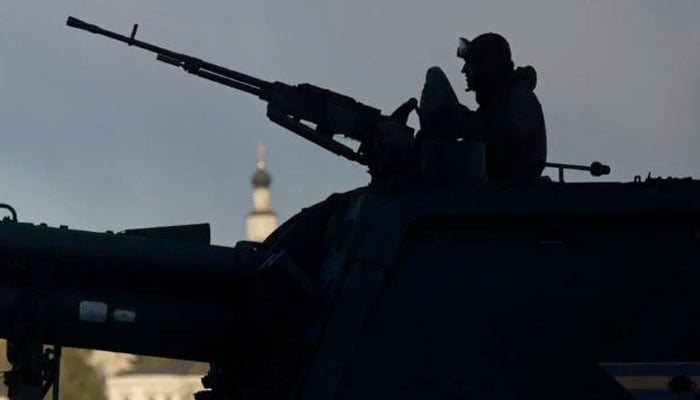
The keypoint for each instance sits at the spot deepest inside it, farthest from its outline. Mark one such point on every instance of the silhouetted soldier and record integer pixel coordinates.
(509, 119)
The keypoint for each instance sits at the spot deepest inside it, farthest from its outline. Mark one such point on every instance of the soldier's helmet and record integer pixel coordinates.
(490, 48)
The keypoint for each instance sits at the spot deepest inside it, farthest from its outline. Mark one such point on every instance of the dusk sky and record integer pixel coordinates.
(97, 135)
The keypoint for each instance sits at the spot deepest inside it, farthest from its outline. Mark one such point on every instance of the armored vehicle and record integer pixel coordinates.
(399, 290)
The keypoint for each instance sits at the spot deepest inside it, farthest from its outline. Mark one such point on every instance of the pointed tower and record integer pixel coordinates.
(262, 220)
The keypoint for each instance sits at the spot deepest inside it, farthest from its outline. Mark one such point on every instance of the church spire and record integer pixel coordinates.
(261, 220)
(261, 156)
(261, 179)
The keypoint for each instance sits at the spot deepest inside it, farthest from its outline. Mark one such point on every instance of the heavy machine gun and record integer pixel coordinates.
(289, 106)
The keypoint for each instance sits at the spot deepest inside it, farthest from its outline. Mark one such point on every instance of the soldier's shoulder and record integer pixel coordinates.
(524, 84)
(523, 101)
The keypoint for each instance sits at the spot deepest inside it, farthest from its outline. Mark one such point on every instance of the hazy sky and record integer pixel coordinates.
(97, 135)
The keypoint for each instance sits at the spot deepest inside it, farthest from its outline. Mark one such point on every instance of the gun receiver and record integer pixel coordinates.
(330, 113)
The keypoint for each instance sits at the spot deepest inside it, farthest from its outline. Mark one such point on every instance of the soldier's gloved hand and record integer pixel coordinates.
(401, 114)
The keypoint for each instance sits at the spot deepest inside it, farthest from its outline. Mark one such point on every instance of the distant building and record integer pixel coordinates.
(153, 387)
(153, 378)
(261, 220)
(110, 364)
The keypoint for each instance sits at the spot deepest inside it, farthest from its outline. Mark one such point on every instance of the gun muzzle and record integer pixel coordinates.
(79, 24)
(598, 169)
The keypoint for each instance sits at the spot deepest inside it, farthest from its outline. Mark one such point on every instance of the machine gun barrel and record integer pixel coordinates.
(193, 65)
(291, 106)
